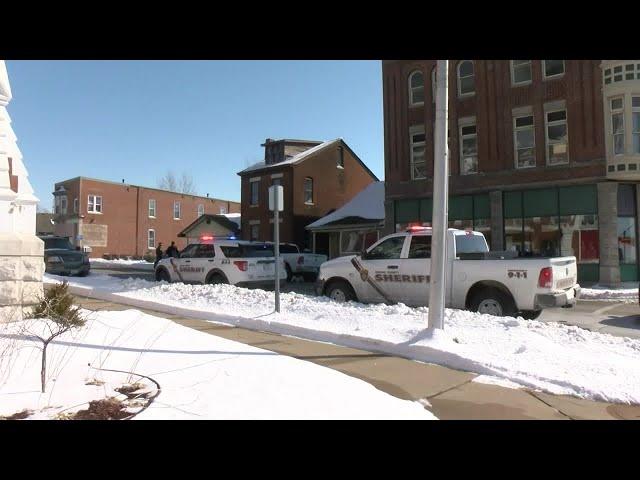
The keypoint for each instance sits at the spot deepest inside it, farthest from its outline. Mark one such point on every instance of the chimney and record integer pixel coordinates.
(273, 151)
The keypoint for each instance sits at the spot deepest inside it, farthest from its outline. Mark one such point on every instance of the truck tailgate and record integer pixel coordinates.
(565, 272)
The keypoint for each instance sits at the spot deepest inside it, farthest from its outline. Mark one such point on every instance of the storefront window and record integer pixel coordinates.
(580, 238)
(513, 234)
(627, 240)
(541, 237)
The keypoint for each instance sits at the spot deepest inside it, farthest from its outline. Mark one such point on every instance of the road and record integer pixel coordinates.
(616, 318)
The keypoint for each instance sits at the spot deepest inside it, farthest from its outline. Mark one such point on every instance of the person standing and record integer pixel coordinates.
(158, 255)
(172, 251)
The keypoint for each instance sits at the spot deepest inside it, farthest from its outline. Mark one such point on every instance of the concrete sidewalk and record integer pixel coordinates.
(449, 394)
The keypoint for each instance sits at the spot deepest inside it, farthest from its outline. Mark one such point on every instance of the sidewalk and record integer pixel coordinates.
(449, 394)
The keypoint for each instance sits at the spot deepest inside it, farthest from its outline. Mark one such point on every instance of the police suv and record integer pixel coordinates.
(396, 269)
(235, 262)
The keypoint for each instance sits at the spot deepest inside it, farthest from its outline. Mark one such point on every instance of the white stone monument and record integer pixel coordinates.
(21, 252)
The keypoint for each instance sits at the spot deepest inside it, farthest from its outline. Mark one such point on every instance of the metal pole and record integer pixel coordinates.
(276, 240)
(440, 194)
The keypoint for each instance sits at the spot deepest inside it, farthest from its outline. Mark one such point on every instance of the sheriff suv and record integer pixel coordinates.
(397, 267)
(235, 262)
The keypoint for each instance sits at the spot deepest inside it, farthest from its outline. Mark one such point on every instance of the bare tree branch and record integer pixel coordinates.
(184, 184)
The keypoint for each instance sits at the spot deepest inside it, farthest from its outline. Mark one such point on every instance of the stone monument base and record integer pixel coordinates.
(21, 270)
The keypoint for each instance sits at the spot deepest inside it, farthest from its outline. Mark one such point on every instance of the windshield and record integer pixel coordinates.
(248, 251)
(58, 243)
(470, 244)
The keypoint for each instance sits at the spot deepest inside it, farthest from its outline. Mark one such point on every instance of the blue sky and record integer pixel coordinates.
(137, 119)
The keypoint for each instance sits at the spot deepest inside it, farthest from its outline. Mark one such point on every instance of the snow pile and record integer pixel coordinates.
(628, 292)
(132, 264)
(201, 376)
(551, 357)
(368, 204)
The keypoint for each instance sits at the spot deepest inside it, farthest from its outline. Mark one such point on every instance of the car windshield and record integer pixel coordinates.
(58, 243)
(248, 251)
(284, 248)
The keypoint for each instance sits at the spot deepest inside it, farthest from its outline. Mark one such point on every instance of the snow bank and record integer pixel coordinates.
(551, 357)
(628, 292)
(132, 264)
(201, 376)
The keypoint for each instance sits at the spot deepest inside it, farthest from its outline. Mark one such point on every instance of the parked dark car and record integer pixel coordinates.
(61, 258)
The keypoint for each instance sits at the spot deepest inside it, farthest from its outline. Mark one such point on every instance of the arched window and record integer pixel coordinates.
(416, 88)
(466, 78)
(433, 84)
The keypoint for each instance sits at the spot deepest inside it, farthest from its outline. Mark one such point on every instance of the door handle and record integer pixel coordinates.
(187, 261)
(392, 266)
(210, 260)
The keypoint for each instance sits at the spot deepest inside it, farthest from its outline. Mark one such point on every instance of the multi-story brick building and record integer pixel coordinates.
(544, 155)
(122, 219)
(317, 178)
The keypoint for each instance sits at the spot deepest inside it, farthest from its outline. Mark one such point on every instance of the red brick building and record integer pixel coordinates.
(317, 178)
(121, 219)
(544, 156)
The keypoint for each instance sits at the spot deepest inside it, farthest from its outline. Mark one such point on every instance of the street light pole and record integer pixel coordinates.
(440, 200)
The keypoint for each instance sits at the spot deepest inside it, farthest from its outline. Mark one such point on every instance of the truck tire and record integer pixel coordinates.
(215, 279)
(340, 291)
(289, 273)
(494, 302)
(530, 314)
(163, 276)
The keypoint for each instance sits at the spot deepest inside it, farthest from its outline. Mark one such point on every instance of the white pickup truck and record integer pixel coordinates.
(397, 267)
(304, 264)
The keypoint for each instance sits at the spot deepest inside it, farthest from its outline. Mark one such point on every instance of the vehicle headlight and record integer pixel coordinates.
(55, 259)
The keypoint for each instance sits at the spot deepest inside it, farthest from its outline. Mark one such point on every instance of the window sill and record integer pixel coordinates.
(94, 213)
(253, 206)
(151, 217)
(552, 77)
(462, 96)
(310, 204)
(416, 105)
(177, 218)
(521, 84)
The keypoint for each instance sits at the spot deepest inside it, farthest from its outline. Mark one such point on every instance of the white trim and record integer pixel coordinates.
(517, 115)
(612, 112)
(513, 75)
(417, 130)
(149, 208)
(179, 217)
(149, 238)
(473, 75)
(462, 123)
(95, 203)
(275, 175)
(198, 209)
(546, 134)
(255, 179)
(557, 75)
(305, 191)
(411, 89)
(634, 110)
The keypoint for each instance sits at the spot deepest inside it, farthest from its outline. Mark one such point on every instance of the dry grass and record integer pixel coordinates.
(19, 415)
(106, 409)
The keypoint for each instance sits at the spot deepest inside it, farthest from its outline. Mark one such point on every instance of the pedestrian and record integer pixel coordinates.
(158, 255)
(172, 251)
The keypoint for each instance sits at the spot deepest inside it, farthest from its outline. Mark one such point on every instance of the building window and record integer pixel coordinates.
(94, 204)
(151, 239)
(557, 137)
(617, 125)
(524, 141)
(553, 68)
(520, 72)
(417, 139)
(75, 205)
(254, 232)
(434, 82)
(308, 191)
(468, 149)
(63, 205)
(627, 243)
(416, 88)
(176, 210)
(223, 210)
(152, 208)
(635, 122)
(466, 78)
(620, 73)
(200, 210)
(254, 185)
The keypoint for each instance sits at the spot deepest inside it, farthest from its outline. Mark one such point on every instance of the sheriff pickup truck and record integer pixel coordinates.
(235, 262)
(396, 269)
(304, 264)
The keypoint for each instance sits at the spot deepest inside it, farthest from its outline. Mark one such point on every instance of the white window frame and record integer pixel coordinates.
(467, 122)
(151, 245)
(517, 129)
(257, 202)
(223, 210)
(417, 130)
(64, 204)
(177, 203)
(513, 72)
(557, 75)
(76, 204)
(546, 132)
(307, 202)
(459, 78)
(91, 205)
(612, 112)
(609, 75)
(200, 210)
(412, 89)
(150, 208)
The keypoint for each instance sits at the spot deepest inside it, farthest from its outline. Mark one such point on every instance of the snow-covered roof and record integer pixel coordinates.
(366, 205)
(295, 159)
(234, 217)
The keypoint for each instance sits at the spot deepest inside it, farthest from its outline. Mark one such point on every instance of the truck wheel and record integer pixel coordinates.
(289, 273)
(341, 292)
(530, 314)
(492, 301)
(163, 276)
(215, 279)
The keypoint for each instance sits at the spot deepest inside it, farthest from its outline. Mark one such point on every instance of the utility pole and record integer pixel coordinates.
(276, 204)
(440, 200)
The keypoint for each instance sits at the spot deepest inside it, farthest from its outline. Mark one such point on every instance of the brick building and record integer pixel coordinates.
(544, 156)
(122, 219)
(317, 178)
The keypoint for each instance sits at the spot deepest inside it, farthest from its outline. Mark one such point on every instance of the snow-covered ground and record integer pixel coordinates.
(132, 264)
(551, 357)
(201, 376)
(627, 292)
